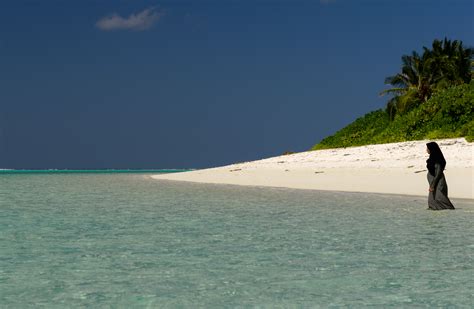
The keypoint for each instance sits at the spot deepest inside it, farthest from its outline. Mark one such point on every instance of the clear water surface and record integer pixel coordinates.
(125, 240)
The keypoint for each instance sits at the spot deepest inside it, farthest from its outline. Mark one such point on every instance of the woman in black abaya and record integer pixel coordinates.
(438, 190)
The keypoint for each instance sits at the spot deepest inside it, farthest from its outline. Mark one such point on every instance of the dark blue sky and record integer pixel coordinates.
(192, 84)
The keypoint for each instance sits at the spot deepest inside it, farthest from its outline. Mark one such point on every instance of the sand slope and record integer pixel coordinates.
(397, 168)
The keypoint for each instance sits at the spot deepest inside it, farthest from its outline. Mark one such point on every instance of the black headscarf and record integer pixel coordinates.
(436, 156)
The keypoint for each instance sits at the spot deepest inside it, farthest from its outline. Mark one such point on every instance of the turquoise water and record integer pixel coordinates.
(124, 240)
(101, 171)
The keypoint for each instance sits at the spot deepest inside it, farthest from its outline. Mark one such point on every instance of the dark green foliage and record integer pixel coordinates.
(432, 98)
(448, 113)
(360, 132)
(446, 64)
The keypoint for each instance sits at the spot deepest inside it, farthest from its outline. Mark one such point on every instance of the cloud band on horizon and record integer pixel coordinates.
(139, 21)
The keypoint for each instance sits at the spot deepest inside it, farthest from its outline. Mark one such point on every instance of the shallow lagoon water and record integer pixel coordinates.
(129, 241)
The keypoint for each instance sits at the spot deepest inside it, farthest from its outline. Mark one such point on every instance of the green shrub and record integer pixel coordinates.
(448, 113)
(360, 132)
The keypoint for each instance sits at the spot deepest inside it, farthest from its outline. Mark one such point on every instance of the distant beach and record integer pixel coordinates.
(397, 168)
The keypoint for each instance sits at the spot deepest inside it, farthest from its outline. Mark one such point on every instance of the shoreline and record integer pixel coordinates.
(397, 168)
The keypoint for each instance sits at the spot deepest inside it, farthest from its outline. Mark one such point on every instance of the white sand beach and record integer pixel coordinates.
(397, 168)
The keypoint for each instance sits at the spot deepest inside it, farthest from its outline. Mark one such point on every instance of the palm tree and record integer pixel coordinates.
(450, 62)
(447, 63)
(411, 86)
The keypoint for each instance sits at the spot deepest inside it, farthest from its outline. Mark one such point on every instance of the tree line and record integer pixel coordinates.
(447, 63)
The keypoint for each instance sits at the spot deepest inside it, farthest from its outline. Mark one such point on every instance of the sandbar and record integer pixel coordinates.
(396, 168)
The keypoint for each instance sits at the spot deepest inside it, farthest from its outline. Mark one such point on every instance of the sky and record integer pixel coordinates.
(88, 84)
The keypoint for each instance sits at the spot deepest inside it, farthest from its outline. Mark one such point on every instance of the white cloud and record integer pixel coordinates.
(138, 22)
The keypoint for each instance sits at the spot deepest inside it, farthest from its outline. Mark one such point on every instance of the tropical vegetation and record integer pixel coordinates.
(431, 97)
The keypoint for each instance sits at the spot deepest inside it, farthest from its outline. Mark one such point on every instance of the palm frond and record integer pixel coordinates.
(396, 91)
